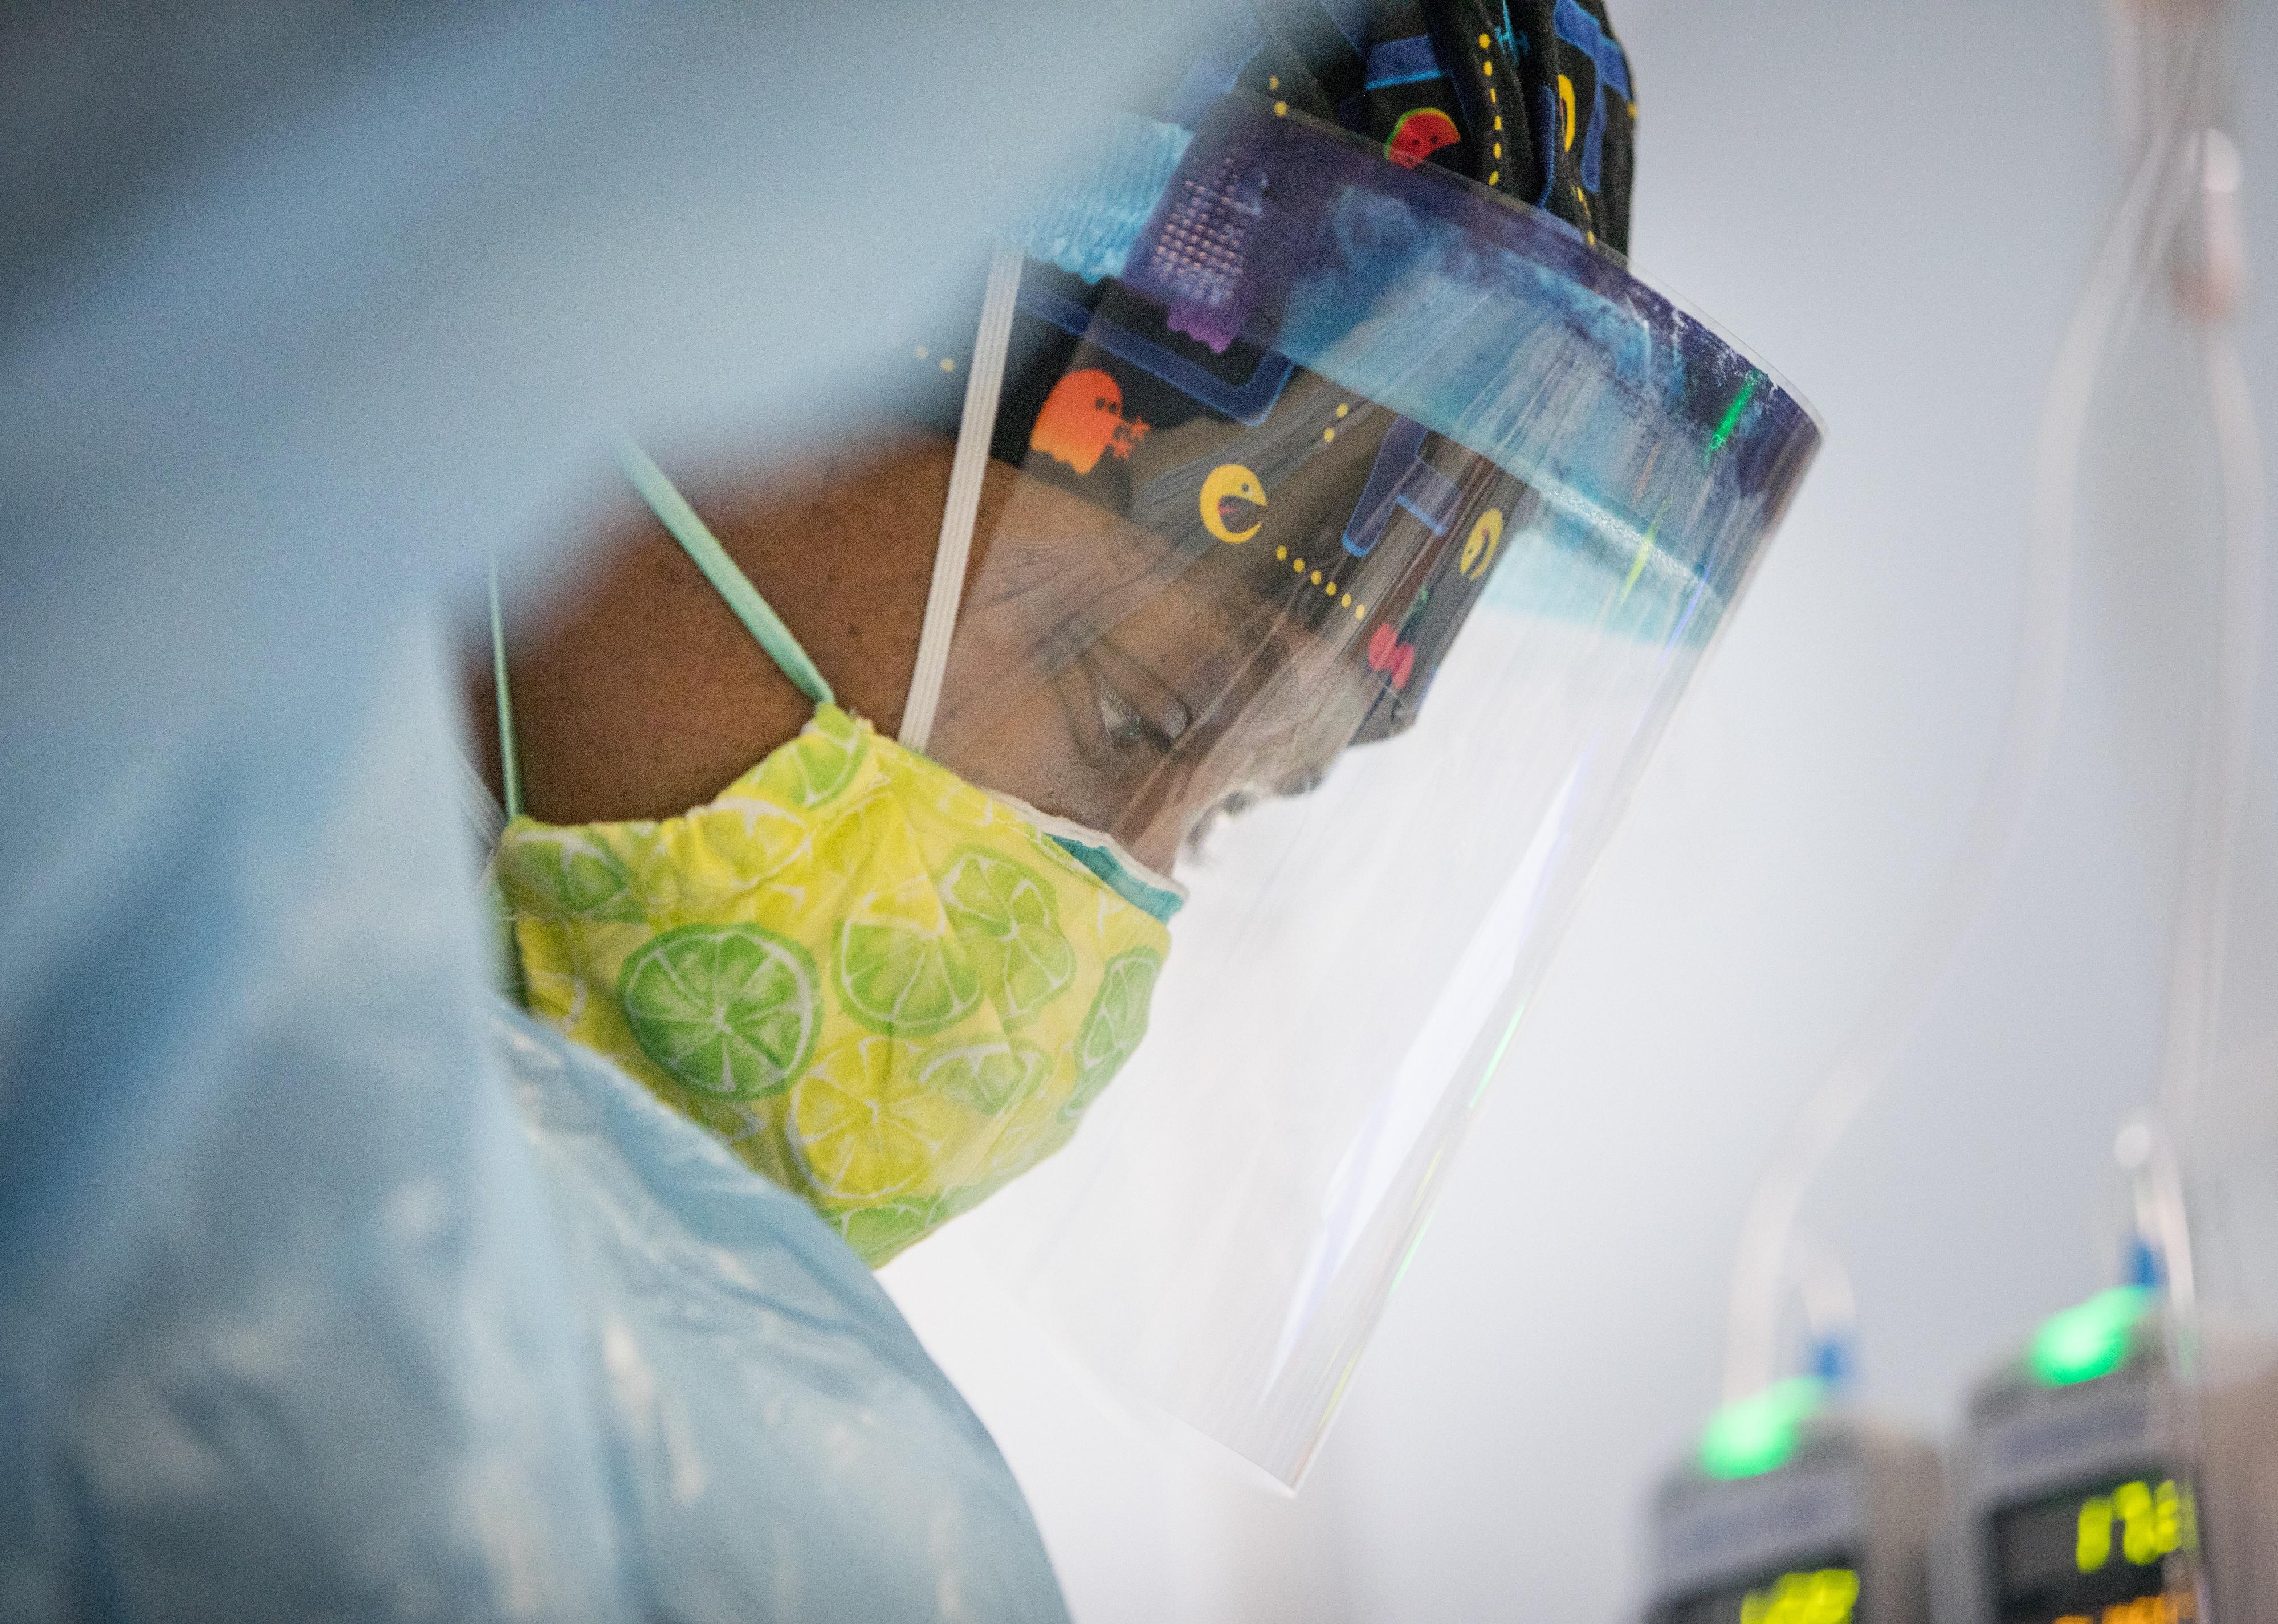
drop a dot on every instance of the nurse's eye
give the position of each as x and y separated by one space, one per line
1135 705
1123 724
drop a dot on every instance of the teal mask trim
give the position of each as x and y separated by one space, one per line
1151 900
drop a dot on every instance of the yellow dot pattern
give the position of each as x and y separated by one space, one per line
947 365
1328 435
1487 70
1281 109
1343 407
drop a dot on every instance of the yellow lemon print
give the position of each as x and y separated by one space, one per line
866 1131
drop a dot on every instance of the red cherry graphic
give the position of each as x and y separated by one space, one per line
1383 648
1407 664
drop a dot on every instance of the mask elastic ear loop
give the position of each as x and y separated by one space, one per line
696 539
509 768
968 465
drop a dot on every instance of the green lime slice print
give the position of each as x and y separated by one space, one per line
818 764
1006 913
729 1010
567 874
1028 1139
877 1233
897 979
1114 1025
987 1077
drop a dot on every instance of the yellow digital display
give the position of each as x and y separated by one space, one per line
2116 1553
1824 1597
1822 1592
2134 1522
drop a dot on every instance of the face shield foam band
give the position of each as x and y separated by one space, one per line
1292 438
1272 226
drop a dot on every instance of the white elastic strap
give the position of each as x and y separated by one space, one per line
483 812
982 382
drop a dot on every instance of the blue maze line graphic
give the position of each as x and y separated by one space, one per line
1399 477
1581 30
1503 36
1402 62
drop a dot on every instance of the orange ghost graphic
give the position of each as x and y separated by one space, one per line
1082 417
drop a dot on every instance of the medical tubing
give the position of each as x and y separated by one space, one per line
2203 912
2029 731
968 466
2218 792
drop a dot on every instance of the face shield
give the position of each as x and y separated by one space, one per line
1366 528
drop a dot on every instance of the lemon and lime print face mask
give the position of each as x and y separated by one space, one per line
888 990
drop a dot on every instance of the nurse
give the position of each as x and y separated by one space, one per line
846 798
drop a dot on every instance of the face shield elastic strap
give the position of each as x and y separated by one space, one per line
1156 895
967 466
1086 226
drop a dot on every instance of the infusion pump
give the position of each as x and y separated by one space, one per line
2088 1487
1807 1517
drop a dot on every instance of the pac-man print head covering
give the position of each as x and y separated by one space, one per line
1531 98
1319 396
1278 494
1533 101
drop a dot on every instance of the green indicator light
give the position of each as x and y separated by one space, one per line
2091 1340
1758 1435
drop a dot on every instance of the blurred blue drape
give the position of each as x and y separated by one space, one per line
327 1286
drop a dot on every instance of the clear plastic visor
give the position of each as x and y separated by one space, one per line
1119 663
1344 552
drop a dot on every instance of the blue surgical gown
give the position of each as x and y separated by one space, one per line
330 1287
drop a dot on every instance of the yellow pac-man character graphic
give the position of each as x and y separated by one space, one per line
1228 496
1479 546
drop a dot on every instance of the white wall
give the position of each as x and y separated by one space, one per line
1895 205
